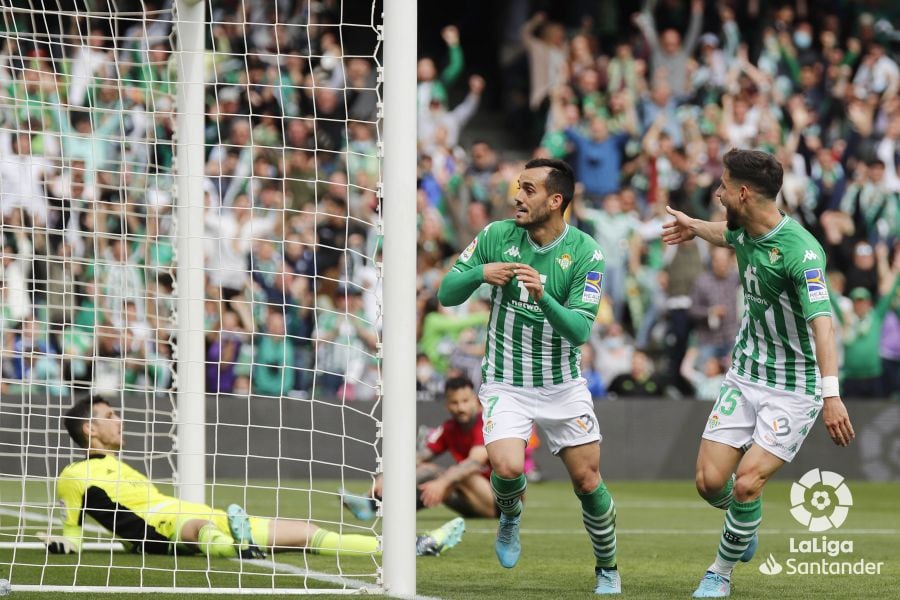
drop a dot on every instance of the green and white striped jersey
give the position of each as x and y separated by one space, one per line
522 348
783 276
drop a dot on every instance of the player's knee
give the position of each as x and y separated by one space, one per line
708 483
585 481
507 469
748 486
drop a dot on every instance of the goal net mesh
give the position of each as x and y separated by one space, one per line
88 301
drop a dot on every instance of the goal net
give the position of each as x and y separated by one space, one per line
96 165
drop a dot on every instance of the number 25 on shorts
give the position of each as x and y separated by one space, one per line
727 401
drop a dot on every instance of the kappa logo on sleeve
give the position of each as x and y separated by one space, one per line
593 282
815 285
469 251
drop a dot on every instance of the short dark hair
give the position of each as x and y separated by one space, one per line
457 383
560 179
759 170
78 414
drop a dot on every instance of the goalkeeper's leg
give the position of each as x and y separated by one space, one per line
209 539
287 535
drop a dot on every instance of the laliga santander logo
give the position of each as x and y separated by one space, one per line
820 500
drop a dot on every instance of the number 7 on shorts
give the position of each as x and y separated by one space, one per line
491 403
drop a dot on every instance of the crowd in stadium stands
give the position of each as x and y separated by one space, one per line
86 159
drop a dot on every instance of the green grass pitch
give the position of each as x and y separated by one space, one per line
667 537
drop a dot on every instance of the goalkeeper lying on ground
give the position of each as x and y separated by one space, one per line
128 504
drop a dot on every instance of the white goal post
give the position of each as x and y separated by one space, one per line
193 226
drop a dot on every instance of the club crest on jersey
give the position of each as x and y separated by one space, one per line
564 261
592 285
815 285
512 251
774 255
469 251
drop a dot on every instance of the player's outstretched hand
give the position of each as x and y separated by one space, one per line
531 279
837 421
499 273
679 230
57 544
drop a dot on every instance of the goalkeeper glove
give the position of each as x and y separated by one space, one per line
57 544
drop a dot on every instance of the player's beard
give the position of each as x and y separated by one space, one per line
535 217
732 220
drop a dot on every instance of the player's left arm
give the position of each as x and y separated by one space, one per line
834 413
572 322
435 491
805 264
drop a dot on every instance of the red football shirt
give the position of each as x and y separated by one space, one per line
452 438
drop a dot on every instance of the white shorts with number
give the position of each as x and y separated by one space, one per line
776 420
564 413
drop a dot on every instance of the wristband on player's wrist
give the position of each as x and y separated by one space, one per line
830 387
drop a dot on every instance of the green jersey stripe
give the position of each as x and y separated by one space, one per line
785 354
499 348
790 323
773 373
574 362
753 343
762 348
556 358
518 347
528 355
813 382
537 357
547 350
739 354
810 372
569 359
509 348
488 364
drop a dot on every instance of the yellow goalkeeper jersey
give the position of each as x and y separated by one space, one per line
124 501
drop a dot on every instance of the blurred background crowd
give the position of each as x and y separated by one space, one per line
642 98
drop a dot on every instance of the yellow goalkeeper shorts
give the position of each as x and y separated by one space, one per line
168 519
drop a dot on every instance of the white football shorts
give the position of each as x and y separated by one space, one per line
776 420
564 413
